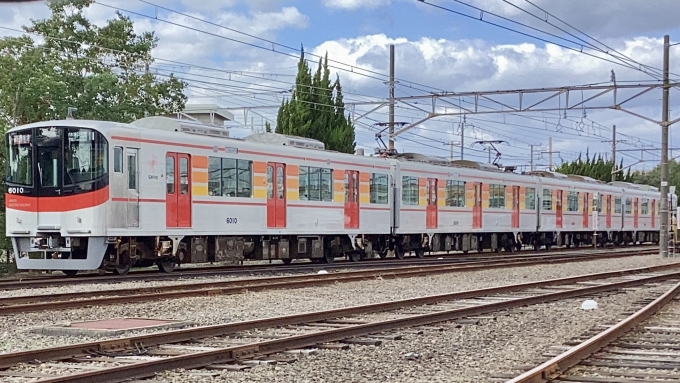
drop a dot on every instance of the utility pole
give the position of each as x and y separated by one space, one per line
531 159
390 146
614 153
550 153
663 209
614 142
462 139
451 144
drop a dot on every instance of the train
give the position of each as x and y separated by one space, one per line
99 195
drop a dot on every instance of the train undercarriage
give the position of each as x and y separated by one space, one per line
167 252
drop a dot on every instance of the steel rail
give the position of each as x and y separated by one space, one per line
148 275
229 354
24 304
552 368
183 335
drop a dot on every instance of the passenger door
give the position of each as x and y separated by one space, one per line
586 210
132 216
515 207
653 213
351 199
178 190
431 212
636 212
276 195
609 212
558 210
477 206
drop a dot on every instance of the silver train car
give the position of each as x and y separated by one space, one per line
86 195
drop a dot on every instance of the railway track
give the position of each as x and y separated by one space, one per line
643 347
52 301
50 281
231 346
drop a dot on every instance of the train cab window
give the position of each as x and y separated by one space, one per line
530 198
409 190
572 201
20 159
547 199
629 205
644 207
617 205
117 159
455 193
378 188
497 196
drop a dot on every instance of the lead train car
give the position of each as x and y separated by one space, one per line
84 195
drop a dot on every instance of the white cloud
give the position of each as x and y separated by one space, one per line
355 4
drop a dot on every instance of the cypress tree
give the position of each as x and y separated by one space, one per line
316 109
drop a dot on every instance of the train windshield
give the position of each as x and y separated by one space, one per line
57 160
20 159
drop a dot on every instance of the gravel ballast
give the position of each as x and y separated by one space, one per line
470 353
16 335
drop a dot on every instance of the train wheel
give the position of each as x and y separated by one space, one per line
70 273
383 254
420 253
398 252
124 267
167 265
328 257
354 256
287 261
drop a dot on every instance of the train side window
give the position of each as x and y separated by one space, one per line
378 188
314 184
572 201
629 206
547 199
530 198
327 185
170 175
644 208
497 196
245 178
455 193
303 178
229 177
118 159
409 190
617 205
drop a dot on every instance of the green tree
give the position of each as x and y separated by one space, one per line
101 71
267 127
316 109
595 167
653 177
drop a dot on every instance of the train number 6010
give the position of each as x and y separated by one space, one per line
232 221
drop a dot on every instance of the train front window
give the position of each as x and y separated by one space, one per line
85 157
58 160
20 159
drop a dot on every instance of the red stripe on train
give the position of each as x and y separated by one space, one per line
57 204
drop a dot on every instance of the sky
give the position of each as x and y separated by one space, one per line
243 54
